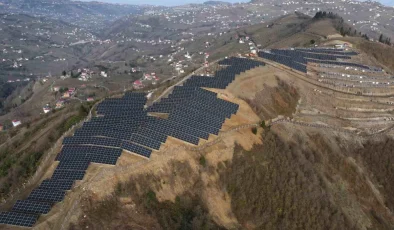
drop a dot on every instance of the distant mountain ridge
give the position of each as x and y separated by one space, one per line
213 3
85 14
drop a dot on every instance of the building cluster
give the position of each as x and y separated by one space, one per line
147 78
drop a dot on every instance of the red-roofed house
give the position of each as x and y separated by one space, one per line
138 84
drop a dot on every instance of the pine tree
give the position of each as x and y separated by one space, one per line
381 38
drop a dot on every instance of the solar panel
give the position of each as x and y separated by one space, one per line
45 195
152 134
56 184
18 219
91 149
103 159
88 140
68 175
73 165
145 141
136 149
30 206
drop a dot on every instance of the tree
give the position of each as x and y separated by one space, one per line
313 41
342 31
381 38
64 73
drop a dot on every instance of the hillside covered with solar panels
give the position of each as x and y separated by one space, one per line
258 141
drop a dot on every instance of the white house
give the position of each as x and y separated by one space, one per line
16 123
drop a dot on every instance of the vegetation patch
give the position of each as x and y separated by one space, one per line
271 102
20 158
134 205
281 189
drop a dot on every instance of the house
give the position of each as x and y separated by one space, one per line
89 99
66 94
103 74
56 88
147 77
16 123
138 84
46 109
71 91
59 104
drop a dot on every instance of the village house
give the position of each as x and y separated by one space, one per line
46 108
59 104
16 122
66 95
56 88
138 84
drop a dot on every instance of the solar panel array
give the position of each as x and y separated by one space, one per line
123 124
99 141
298 58
195 113
224 76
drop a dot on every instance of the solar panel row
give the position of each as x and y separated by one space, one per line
136 149
31 206
19 219
298 58
56 184
46 195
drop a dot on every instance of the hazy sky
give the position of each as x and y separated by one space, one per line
181 2
388 2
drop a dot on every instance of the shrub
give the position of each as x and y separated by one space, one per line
203 161
262 124
254 130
